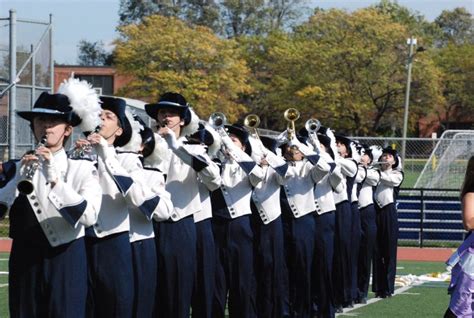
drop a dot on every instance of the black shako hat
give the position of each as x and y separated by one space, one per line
148 137
346 141
269 143
53 105
170 100
201 136
118 106
394 153
241 132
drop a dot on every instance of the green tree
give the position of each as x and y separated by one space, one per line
457 26
457 65
93 54
345 69
164 54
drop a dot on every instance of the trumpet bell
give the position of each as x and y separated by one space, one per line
291 114
217 120
312 125
252 121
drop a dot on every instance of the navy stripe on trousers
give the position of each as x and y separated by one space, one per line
203 291
385 260
47 281
235 267
144 274
110 292
299 236
176 267
323 264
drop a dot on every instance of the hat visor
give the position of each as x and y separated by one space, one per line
152 109
35 112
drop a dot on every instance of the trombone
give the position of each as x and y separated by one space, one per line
251 122
291 115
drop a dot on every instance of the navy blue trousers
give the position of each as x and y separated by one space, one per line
235 268
355 246
366 250
342 254
323 264
110 276
271 271
299 236
47 281
385 260
204 283
144 274
176 268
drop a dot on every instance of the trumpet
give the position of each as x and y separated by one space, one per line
291 115
312 125
217 120
25 186
251 122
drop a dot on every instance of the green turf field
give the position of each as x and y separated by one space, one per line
427 300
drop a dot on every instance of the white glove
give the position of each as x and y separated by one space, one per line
282 138
171 140
103 149
50 171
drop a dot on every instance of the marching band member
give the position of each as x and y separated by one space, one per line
271 271
368 225
306 168
111 284
325 220
385 259
184 165
56 201
235 277
141 233
342 272
206 261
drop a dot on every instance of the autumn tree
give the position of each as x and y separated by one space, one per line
93 54
457 27
165 54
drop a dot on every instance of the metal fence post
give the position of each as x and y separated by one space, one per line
12 94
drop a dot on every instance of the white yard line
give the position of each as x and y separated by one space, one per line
420 280
3 273
3 285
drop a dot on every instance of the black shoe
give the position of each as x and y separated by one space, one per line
361 300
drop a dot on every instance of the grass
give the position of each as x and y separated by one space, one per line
427 300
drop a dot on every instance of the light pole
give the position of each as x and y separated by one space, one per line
411 42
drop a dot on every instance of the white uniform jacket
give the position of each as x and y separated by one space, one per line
366 194
389 179
349 169
323 191
121 192
300 181
72 204
359 178
239 174
160 205
188 163
205 187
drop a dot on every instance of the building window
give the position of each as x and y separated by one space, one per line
103 82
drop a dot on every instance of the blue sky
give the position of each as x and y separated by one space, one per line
96 20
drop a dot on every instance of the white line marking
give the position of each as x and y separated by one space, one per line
3 285
3 273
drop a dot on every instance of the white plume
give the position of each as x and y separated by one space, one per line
193 125
161 155
135 140
84 102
